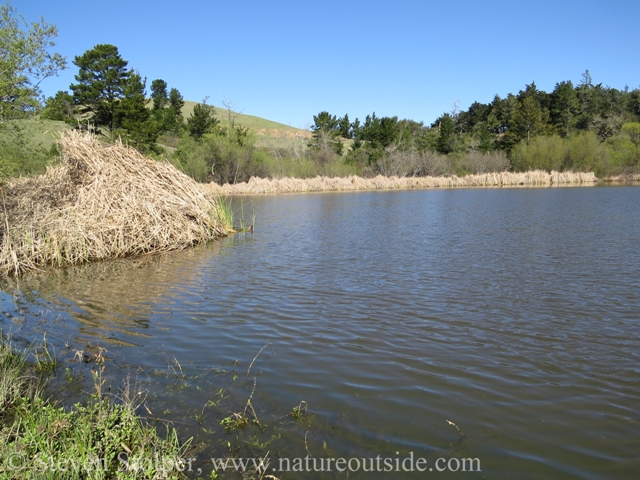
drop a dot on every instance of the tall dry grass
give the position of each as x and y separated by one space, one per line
102 201
321 184
628 177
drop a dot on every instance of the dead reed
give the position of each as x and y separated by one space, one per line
321 184
102 201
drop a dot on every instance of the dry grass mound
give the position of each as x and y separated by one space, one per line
102 201
326 184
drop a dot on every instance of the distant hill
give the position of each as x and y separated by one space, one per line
260 126
45 132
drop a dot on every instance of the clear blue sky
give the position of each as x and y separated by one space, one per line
288 60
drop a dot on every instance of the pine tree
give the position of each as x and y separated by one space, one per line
159 94
326 133
101 81
446 138
564 107
135 117
201 120
173 119
528 121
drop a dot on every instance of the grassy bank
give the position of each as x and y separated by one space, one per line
28 146
351 183
100 439
102 201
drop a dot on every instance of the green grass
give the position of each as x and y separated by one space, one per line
43 133
100 439
254 123
28 146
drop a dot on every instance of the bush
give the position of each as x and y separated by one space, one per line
225 155
582 152
623 153
477 162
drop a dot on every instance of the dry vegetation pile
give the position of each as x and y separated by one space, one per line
102 201
320 184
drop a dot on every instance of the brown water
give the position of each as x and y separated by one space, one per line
513 313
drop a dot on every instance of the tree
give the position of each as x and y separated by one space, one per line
232 114
101 82
503 110
173 116
135 117
528 121
326 133
446 138
167 108
486 139
201 120
632 129
159 94
564 107
531 90
344 126
59 107
25 61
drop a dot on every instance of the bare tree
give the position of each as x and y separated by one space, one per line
231 112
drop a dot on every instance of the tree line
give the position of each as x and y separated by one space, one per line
604 117
107 94
586 126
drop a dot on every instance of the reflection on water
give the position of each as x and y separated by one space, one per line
512 313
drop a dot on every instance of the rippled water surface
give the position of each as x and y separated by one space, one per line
513 313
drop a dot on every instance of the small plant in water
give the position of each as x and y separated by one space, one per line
45 361
234 421
299 412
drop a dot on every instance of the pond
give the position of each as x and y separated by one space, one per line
492 324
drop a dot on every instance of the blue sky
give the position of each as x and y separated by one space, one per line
288 60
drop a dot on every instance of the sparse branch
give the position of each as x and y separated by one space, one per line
232 114
254 359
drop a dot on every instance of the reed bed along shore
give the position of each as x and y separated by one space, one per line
325 184
624 178
102 201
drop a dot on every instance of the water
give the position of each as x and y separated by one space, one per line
512 313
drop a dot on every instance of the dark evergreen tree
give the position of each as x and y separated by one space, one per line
135 117
446 137
564 107
326 133
101 82
486 139
542 98
345 127
201 120
528 121
159 94
389 131
504 109
173 119
633 102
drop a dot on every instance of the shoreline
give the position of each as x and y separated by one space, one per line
534 178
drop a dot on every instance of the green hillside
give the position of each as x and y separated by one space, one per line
41 133
26 145
260 126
